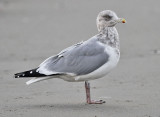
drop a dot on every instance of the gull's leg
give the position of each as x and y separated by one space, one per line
88 96
87 87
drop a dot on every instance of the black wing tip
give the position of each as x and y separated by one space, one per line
29 73
18 75
15 76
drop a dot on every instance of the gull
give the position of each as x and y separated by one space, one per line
84 61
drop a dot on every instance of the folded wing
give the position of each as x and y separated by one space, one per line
79 59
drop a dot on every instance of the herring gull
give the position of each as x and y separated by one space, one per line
88 60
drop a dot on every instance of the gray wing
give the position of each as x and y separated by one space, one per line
81 59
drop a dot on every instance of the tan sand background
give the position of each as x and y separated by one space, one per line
32 30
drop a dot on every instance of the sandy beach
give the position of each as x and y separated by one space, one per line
33 30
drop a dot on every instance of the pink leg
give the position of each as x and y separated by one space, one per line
88 97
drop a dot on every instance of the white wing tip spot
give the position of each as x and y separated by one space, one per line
23 75
31 72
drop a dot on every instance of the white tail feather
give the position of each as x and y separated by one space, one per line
34 80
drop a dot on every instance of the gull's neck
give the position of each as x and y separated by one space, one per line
106 29
109 36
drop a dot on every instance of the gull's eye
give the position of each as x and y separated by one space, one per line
107 17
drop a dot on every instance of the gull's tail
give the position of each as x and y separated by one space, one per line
34 73
29 73
34 80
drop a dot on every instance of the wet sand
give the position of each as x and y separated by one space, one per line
32 30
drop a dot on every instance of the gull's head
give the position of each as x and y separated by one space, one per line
108 18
